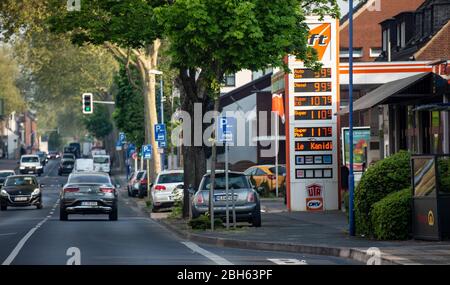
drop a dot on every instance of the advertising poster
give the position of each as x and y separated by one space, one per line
361 141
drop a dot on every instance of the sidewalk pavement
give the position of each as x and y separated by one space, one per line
8 164
319 233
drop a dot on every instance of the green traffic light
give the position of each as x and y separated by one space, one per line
88 109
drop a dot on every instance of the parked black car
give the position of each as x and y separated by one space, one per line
66 166
21 191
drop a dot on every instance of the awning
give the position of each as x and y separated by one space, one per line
382 93
433 107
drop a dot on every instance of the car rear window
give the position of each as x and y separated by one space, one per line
171 178
30 159
281 170
6 174
235 181
140 175
96 179
101 160
21 181
68 162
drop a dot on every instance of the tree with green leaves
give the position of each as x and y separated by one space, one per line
210 38
9 75
99 123
129 109
130 31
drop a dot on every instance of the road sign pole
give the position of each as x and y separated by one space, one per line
351 182
148 179
226 186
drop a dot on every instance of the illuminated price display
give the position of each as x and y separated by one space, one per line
314 146
307 101
313 114
312 87
309 73
318 132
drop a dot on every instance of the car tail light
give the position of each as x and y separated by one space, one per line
160 188
271 177
251 197
71 190
106 190
144 181
200 199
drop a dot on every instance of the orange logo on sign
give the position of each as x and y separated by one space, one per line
319 39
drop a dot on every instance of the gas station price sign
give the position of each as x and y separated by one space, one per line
312 101
305 73
313 132
300 87
322 114
314 146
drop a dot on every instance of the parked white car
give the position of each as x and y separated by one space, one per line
102 163
83 165
165 191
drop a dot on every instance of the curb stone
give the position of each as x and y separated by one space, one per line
356 254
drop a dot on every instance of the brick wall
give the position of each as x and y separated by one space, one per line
367 31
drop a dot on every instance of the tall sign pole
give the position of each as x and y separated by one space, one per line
351 178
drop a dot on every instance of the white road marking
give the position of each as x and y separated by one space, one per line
22 242
287 261
8 234
213 257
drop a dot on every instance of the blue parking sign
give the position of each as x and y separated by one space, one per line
147 151
122 137
160 132
226 129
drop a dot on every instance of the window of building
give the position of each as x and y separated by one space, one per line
357 52
375 52
261 73
386 33
230 80
403 34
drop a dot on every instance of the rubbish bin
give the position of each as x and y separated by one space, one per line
431 196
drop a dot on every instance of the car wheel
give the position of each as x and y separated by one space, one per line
3 207
113 215
39 206
63 216
256 217
141 195
155 209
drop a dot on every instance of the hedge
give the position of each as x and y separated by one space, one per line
391 216
384 177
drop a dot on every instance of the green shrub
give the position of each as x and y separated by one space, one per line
384 177
203 222
391 216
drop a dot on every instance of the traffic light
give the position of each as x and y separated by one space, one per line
88 103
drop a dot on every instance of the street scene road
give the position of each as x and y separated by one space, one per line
206 132
37 237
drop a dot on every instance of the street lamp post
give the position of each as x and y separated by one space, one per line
351 178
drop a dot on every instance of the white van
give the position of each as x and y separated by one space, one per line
83 164
102 163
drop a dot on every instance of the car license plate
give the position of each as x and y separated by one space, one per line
30 172
20 199
224 198
88 203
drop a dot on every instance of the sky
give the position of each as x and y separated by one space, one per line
344 6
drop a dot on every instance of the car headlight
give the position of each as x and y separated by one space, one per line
36 192
22 167
4 193
40 166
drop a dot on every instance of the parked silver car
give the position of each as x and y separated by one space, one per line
247 202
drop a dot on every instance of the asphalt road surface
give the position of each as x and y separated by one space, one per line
37 237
